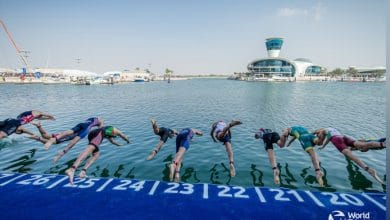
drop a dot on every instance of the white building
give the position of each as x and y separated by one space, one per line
274 65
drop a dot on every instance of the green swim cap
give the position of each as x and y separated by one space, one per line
109 131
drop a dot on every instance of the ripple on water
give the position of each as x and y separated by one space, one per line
196 103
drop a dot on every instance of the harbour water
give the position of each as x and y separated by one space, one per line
356 109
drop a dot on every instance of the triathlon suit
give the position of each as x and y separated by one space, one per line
341 142
183 138
297 131
269 137
165 133
95 137
81 130
26 117
10 125
307 141
219 128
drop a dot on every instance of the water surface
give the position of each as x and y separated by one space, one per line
356 109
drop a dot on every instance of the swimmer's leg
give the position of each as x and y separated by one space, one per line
229 152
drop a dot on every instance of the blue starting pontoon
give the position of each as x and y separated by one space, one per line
46 196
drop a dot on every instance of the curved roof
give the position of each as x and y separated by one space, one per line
272 58
303 60
272 38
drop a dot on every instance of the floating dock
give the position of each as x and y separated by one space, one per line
47 196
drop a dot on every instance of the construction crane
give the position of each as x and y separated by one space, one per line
18 51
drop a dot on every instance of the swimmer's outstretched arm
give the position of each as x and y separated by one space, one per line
114 142
291 140
120 134
43 115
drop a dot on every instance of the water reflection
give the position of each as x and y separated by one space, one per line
357 179
257 176
190 175
165 171
118 173
21 164
311 181
130 173
220 174
5 143
286 177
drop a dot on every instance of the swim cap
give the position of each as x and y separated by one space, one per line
109 131
259 134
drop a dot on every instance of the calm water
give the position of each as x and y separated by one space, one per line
356 109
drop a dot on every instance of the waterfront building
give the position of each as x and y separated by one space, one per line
274 66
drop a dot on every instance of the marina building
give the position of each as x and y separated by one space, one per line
276 67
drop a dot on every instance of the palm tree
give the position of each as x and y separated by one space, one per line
168 73
351 71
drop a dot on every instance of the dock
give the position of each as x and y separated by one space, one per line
50 196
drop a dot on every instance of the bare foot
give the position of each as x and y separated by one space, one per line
172 168
49 143
232 170
83 174
70 173
319 176
276 176
372 172
234 123
152 154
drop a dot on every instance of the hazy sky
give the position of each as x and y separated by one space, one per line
191 37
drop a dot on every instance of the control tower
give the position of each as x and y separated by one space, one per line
273 45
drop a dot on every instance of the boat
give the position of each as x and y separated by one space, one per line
139 79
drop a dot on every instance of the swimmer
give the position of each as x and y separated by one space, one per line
308 142
95 138
345 144
269 138
81 129
221 131
164 134
295 132
29 116
182 144
12 125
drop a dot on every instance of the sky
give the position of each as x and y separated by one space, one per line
191 36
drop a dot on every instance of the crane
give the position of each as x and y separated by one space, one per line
18 51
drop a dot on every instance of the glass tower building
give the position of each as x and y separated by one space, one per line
274 65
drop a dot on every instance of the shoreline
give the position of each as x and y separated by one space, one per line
54 81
